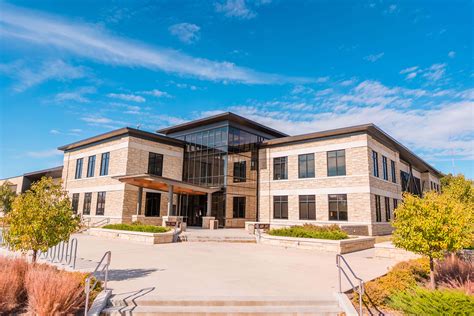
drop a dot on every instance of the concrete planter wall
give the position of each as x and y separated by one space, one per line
336 246
388 250
141 237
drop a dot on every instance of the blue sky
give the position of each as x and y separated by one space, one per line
73 69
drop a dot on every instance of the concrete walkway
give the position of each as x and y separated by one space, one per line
222 269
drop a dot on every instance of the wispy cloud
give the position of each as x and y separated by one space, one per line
235 9
27 76
99 45
157 93
71 132
44 153
186 32
433 73
373 58
127 97
78 95
452 54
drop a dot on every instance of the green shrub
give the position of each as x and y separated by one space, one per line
333 232
404 275
421 301
138 228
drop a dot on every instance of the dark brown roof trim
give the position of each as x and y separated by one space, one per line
371 129
126 131
50 170
232 117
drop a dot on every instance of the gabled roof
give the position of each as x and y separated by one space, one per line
371 129
227 116
125 131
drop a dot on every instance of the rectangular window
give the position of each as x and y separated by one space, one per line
240 171
152 204
306 166
337 207
378 209
239 207
395 205
280 207
394 174
387 209
307 207
375 162
90 166
280 168
336 161
78 174
100 203
75 202
104 164
87 203
384 168
155 164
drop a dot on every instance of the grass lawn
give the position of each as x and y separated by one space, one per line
138 228
332 232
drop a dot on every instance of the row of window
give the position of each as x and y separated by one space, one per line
337 204
336 165
375 162
104 166
86 208
434 186
378 208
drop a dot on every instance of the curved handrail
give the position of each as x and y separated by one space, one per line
105 269
341 270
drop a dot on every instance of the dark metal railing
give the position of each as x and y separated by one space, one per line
101 269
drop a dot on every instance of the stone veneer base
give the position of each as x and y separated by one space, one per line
336 246
141 237
388 250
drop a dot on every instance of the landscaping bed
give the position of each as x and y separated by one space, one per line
405 289
332 232
40 289
137 227
146 234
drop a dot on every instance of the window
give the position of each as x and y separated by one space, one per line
75 202
337 207
387 209
395 205
87 203
155 164
336 163
307 207
240 171
239 207
152 204
100 203
378 209
384 168
306 166
280 168
280 207
375 162
104 164
394 174
78 174
90 166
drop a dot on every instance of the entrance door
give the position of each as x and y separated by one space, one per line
193 208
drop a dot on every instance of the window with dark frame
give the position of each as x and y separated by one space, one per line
86 210
90 166
336 161
395 205
378 209
104 164
155 164
152 204
280 207
78 173
239 206
394 174
240 171
375 162
307 207
387 209
100 203
306 166
384 168
280 168
337 207
75 202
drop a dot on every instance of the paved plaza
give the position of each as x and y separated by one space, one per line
215 269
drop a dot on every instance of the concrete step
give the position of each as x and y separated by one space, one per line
193 238
223 310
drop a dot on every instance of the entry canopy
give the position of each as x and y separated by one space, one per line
163 184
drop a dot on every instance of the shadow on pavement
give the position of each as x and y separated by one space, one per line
126 274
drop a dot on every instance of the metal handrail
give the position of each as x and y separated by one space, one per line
341 270
105 269
101 222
